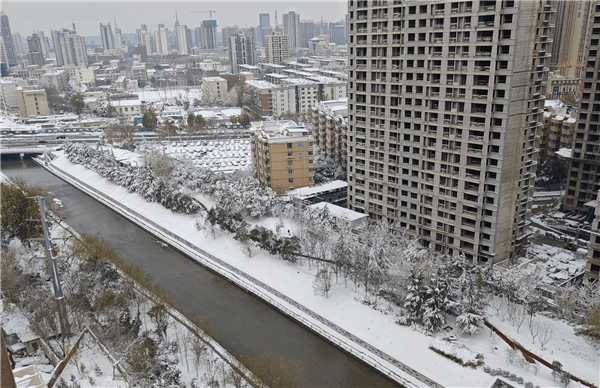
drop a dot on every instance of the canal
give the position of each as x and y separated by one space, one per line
243 323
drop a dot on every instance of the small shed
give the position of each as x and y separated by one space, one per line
350 217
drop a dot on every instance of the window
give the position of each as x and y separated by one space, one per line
290 172
291 180
290 163
290 154
289 145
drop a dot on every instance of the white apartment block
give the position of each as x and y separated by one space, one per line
277 48
139 72
184 39
162 44
58 80
8 96
69 48
445 108
214 88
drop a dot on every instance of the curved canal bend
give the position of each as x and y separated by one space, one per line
243 323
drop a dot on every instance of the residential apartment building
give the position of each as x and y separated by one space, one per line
213 89
568 46
227 33
184 39
162 43
35 56
6 34
57 80
330 129
277 48
445 103
241 52
69 48
8 95
282 153
557 131
584 166
32 101
139 73
592 268
291 28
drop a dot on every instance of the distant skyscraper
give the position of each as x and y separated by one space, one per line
228 32
35 55
241 51
264 21
209 34
291 28
277 48
568 46
118 36
184 39
108 40
7 37
18 42
44 42
162 44
338 33
307 32
198 36
3 58
69 47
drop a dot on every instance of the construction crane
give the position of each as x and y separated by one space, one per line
210 12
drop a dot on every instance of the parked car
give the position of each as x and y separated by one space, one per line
42 141
61 137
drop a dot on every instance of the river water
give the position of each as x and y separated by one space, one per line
243 323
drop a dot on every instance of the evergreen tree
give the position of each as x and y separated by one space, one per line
414 302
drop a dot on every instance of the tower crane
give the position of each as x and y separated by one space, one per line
210 12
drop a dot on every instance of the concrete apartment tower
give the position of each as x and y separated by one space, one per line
584 165
277 48
35 55
7 38
446 99
291 28
241 52
70 48
108 39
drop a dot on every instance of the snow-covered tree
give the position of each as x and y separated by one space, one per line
414 304
323 282
473 301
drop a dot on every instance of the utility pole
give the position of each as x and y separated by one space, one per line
58 295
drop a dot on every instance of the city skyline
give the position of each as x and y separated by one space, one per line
131 15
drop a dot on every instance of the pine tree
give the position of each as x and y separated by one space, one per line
414 301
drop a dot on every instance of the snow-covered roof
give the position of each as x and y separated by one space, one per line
564 152
306 192
553 103
340 212
592 203
259 84
214 79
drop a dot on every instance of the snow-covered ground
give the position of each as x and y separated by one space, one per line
345 309
169 95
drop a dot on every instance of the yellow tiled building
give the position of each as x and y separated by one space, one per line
282 153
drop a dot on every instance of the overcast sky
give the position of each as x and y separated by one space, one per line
26 16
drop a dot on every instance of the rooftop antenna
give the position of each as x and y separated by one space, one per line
116 23
74 30
275 18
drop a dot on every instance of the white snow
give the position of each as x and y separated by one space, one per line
341 307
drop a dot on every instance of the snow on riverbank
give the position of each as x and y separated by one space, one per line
341 308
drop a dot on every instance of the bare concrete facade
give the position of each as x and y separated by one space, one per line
446 101
584 167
